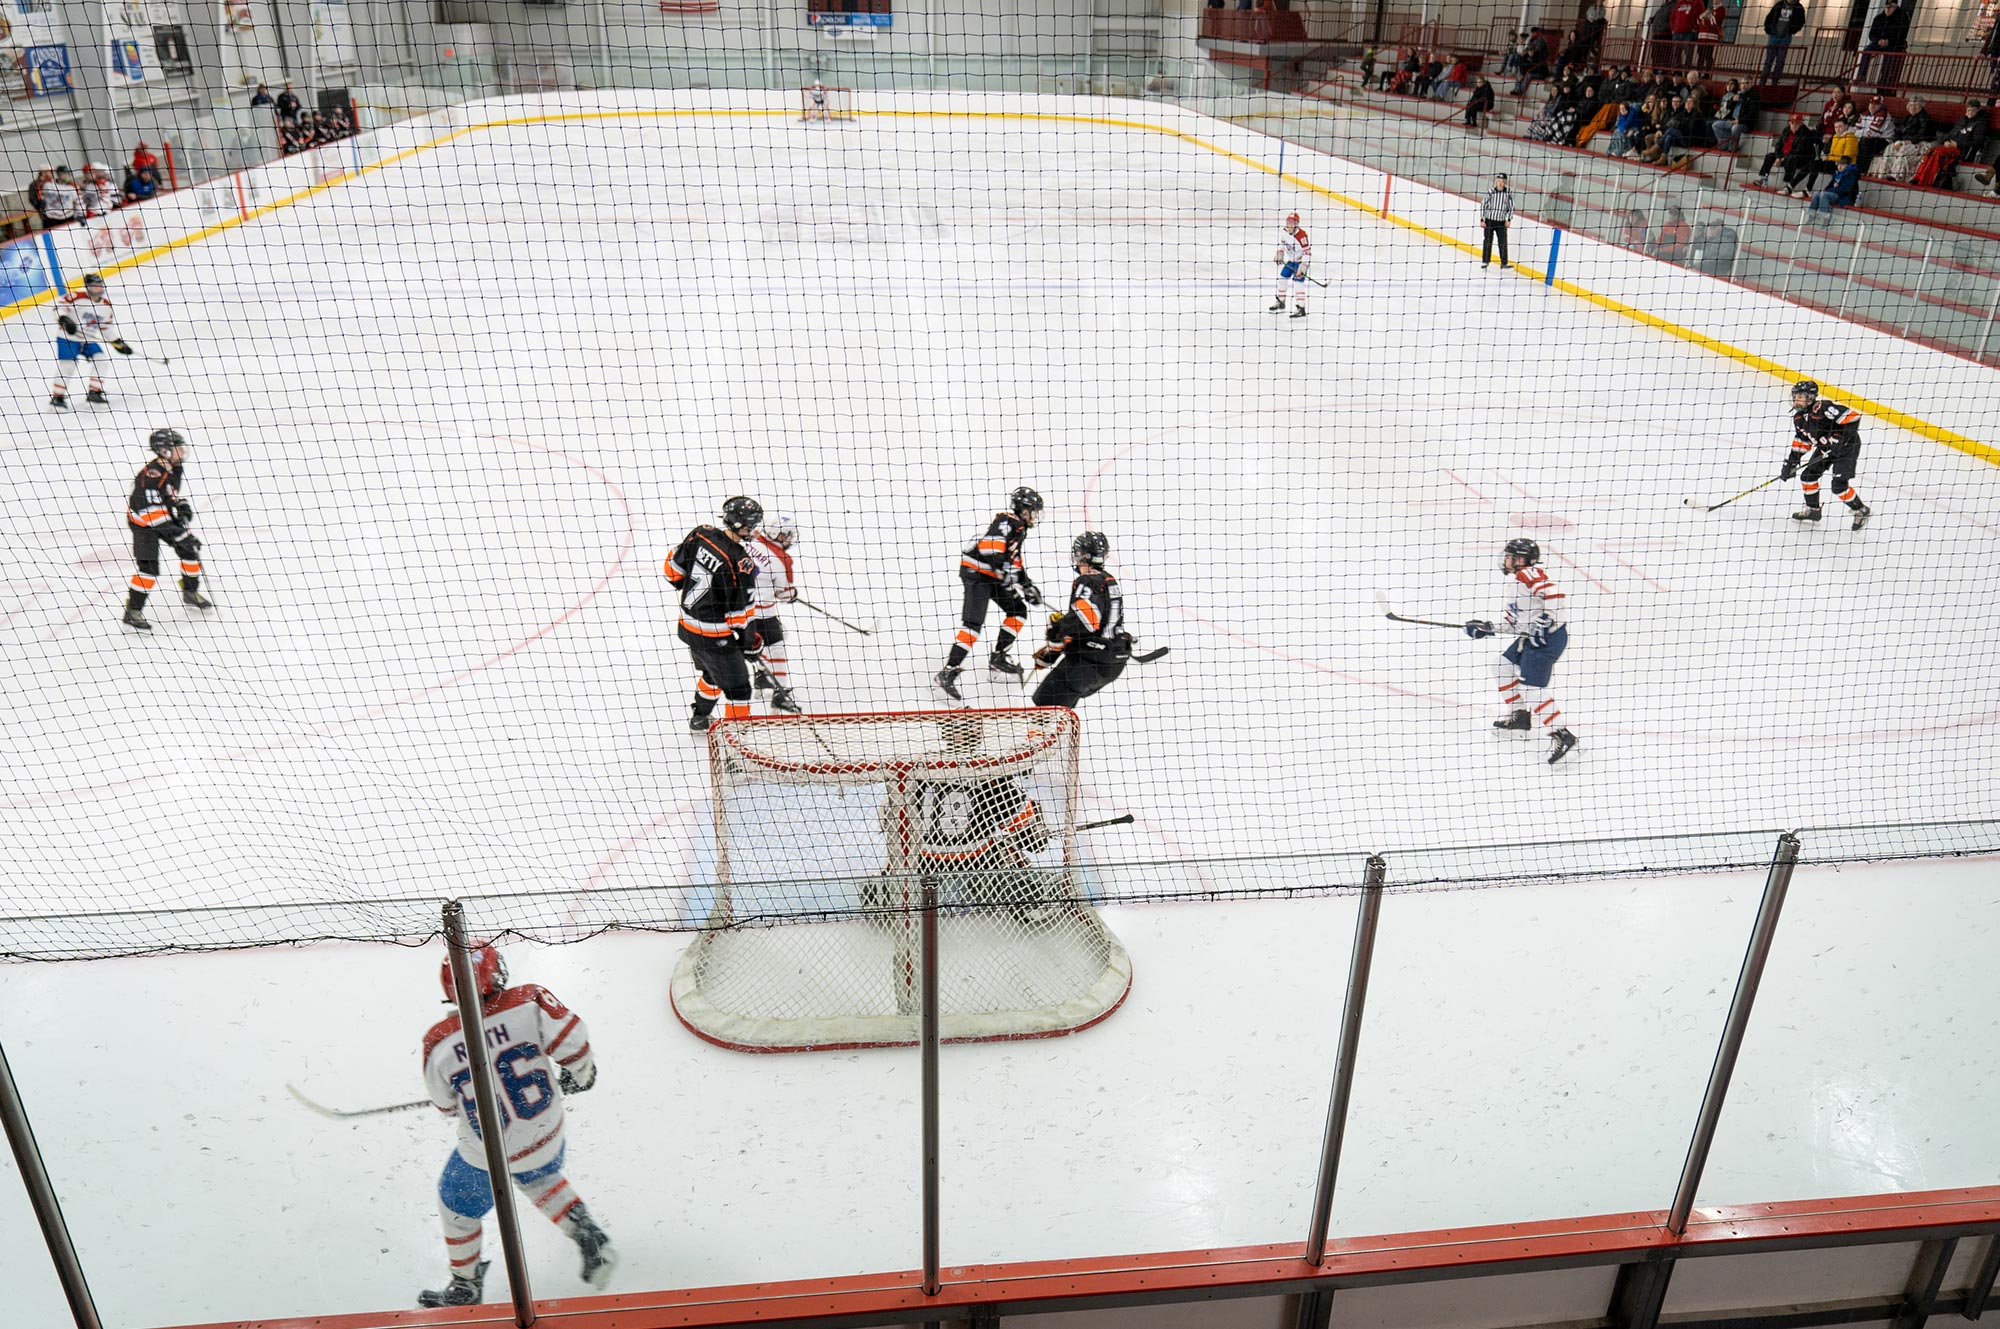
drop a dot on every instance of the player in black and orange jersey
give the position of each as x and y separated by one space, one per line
991 570
159 515
717 579
1088 643
1826 436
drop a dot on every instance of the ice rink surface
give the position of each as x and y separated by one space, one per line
448 418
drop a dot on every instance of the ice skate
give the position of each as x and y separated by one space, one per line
1298 311
96 397
461 1291
783 700
947 683
1278 306
134 618
598 1257
1002 663
1861 516
1519 721
191 594
1806 514
59 401
699 722
1564 741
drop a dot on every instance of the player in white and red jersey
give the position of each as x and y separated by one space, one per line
1294 259
1536 617
771 548
84 327
540 1052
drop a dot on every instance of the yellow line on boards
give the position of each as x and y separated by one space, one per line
1887 414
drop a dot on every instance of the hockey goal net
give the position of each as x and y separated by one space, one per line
829 830
817 102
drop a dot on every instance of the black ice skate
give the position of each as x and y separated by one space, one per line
96 397
1299 311
947 683
461 1291
699 722
762 680
59 401
1279 306
783 700
1806 514
1861 516
1002 663
1520 721
1564 741
598 1257
134 617
191 594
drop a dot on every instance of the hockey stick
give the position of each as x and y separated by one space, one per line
1382 603
337 1114
1108 821
1710 507
1147 657
866 632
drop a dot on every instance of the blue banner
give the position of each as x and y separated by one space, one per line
816 19
22 272
47 68
125 58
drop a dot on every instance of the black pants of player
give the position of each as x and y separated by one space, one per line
724 674
146 542
981 591
1843 466
1494 229
1080 673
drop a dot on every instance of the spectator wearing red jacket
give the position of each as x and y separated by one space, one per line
1682 21
142 157
1708 35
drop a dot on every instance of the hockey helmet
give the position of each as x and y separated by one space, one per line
93 282
488 969
780 530
1091 547
741 514
1522 547
1806 388
1291 221
164 441
1024 501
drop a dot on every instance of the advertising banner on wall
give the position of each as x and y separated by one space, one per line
849 14
125 60
46 69
170 51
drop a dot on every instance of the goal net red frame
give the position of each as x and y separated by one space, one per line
830 833
836 104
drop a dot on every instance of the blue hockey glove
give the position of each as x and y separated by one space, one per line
1478 628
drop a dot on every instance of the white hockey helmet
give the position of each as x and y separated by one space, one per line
780 530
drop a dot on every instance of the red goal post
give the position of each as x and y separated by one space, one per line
819 102
828 831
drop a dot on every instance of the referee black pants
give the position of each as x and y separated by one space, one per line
1493 229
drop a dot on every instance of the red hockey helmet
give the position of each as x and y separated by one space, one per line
487 967
1291 220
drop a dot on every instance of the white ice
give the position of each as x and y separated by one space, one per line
448 418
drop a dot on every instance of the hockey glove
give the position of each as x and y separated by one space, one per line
751 643
1537 635
1479 627
184 512
1791 466
67 324
1048 655
120 345
571 1085
785 594
1030 592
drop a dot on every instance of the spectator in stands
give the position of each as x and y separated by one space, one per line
1786 20
1990 48
1534 63
1589 37
1632 230
43 175
1726 127
1915 125
1708 35
1480 104
1514 61
1844 147
1888 37
262 97
1842 192
1939 168
1589 107
141 184
1684 131
1368 66
1629 130
1787 142
1972 131
100 193
1801 156
62 201
1671 244
1427 77
1407 72
1449 86
1600 123
1838 107
1875 129
1713 249
142 157
1682 20
288 104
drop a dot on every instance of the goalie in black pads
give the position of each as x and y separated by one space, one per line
1826 436
717 579
991 570
1088 644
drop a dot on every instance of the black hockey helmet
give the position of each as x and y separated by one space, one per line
1524 547
1806 388
741 514
1024 501
164 441
1091 547
92 281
